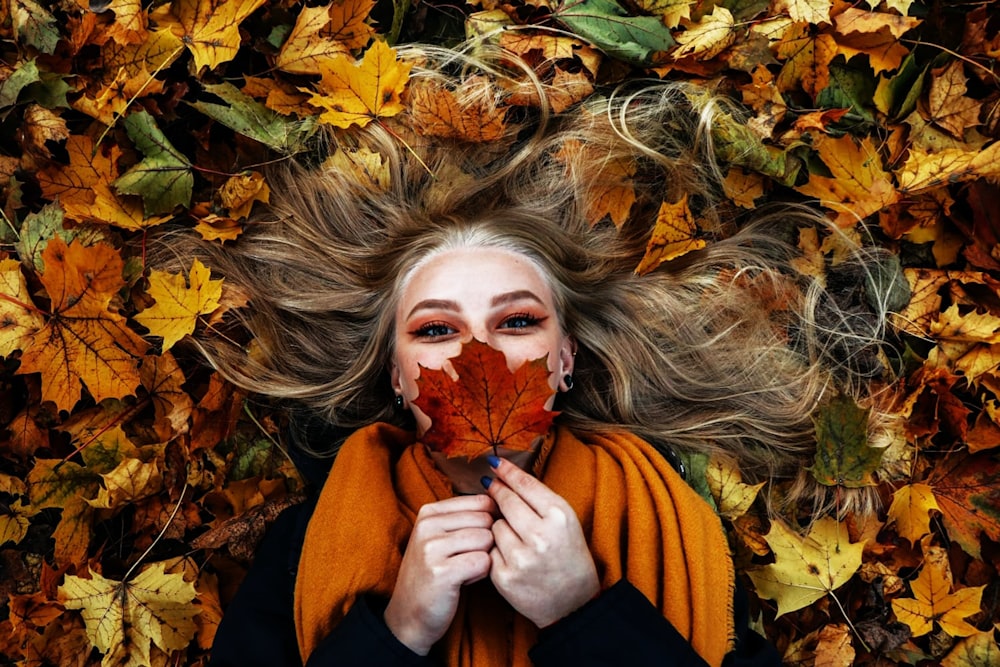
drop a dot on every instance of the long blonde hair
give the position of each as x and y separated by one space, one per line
695 355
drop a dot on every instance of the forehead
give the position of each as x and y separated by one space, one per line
474 271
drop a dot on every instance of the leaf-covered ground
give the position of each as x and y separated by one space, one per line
133 484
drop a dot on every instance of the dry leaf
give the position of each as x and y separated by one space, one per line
178 304
357 93
933 602
673 236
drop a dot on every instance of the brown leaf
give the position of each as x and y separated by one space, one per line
439 112
967 490
674 235
947 105
241 534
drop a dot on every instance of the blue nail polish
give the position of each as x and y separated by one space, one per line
485 481
493 461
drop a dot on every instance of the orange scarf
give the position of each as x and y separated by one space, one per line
641 520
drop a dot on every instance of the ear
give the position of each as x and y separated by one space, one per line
394 377
567 360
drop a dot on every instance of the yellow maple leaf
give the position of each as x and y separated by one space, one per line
933 602
14 521
178 305
672 11
673 236
19 319
810 11
369 165
356 93
910 509
712 35
209 28
131 480
924 170
743 188
84 341
732 496
858 186
130 21
123 618
323 33
806 567
807 59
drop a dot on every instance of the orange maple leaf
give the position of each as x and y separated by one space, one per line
84 341
357 93
612 192
438 112
489 406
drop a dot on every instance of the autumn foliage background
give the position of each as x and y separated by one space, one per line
134 483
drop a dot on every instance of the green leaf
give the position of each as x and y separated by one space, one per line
10 88
53 483
605 24
852 86
34 25
38 228
843 457
696 475
50 91
738 144
250 118
163 178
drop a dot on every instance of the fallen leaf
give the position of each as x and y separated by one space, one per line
808 567
933 602
53 483
357 93
84 341
178 304
843 456
172 405
131 480
239 193
743 188
74 531
19 319
947 105
41 125
15 518
712 35
910 510
124 618
967 490
806 60
209 28
976 650
672 237
859 186
672 11
324 32
809 11
611 193
874 34
163 178
488 406
437 112
732 496
834 647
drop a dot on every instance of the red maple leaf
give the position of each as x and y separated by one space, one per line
488 406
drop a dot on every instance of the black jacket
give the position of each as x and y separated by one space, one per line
619 627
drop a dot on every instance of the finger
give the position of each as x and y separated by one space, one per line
505 538
470 567
443 523
475 503
537 496
512 506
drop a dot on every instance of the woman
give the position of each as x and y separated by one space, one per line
589 547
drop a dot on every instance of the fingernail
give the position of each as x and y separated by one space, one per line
485 481
493 461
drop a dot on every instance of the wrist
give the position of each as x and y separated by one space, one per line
406 633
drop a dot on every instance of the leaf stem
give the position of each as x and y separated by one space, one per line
163 531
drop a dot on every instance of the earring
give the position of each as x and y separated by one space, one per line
568 381
399 401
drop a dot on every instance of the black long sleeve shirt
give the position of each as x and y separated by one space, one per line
619 627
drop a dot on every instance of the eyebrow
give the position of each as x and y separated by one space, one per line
498 300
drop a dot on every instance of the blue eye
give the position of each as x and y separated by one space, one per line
434 330
520 321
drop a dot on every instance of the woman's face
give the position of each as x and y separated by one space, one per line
497 296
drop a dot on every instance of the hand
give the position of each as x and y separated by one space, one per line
541 563
449 547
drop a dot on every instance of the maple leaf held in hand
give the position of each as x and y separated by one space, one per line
489 406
